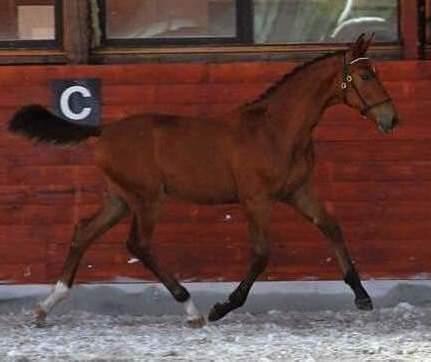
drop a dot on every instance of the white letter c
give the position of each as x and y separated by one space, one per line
65 103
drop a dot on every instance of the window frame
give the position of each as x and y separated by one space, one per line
425 27
36 44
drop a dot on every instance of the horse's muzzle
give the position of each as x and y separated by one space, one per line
387 124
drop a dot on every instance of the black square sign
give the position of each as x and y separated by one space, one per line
78 100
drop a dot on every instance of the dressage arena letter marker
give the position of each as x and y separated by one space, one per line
65 103
78 101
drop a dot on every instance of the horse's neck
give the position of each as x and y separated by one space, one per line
301 101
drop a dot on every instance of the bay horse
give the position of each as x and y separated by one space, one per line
257 154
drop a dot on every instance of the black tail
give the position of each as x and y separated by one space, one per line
37 123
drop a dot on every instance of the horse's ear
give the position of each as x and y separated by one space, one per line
356 47
368 42
360 47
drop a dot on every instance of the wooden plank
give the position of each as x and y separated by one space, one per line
36 215
409 24
11 252
129 94
19 96
42 175
404 71
384 149
119 74
77 38
381 171
359 130
21 196
368 191
387 211
23 273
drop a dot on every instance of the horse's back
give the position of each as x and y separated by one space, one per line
189 157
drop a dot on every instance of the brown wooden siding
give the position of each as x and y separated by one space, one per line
378 186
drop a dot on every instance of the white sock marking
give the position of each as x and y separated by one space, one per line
191 310
59 293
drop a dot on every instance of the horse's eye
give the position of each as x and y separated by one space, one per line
367 76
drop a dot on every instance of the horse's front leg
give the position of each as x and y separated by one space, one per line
258 213
307 204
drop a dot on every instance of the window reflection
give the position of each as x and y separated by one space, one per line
170 19
324 21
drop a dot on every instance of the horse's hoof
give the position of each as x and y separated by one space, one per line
364 304
39 317
217 312
198 322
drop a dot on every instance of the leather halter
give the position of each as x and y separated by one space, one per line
348 79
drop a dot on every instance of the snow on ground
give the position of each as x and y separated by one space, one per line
110 331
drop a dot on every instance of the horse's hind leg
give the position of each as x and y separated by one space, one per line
258 213
309 206
85 232
139 245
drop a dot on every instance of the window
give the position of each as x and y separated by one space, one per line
324 21
149 19
248 21
28 22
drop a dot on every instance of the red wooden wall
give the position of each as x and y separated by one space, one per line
378 186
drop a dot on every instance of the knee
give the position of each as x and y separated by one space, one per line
331 229
261 256
80 231
78 239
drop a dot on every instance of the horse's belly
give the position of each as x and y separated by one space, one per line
204 198
204 186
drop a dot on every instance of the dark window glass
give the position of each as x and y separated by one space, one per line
146 19
274 21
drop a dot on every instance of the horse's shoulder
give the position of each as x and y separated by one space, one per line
254 110
254 117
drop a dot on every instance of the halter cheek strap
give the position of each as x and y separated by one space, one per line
358 60
348 79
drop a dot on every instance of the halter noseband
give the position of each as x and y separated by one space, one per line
348 79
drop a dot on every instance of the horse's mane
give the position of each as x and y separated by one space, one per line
269 91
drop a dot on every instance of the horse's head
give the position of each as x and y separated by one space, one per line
362 88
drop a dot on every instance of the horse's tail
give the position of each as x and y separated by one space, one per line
37 123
